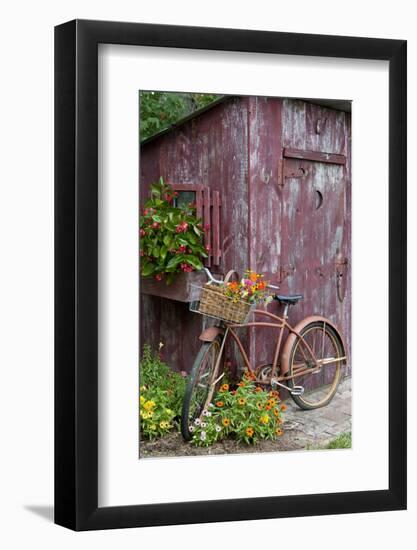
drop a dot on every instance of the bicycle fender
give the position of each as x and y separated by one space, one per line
210 334
292 337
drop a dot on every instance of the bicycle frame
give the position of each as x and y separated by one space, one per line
281 324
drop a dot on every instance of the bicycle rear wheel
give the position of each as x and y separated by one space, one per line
319 382
201 385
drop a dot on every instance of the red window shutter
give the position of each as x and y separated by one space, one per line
208 210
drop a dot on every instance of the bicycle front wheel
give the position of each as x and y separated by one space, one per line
201 385
322 377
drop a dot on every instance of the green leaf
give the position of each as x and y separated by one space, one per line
168 240
194 261
155 190
147 269
163 252
173 262
155 252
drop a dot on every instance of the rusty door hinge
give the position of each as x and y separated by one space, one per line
286 170
341 264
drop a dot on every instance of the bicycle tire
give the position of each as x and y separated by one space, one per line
188 415
324 393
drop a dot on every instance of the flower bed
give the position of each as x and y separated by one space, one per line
247 414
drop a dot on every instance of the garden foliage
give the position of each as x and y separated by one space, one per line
161 395
171 238
247 414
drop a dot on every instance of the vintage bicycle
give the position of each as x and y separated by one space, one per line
308 363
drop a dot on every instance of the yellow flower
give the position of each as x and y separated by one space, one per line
278 431
264 419
249 431
168 411
153 426
241 401
149 405
143 388
142 400
146 415
225 421
164 425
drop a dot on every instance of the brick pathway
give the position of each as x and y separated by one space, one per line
317 427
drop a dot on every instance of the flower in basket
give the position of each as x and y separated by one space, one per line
252 288
171 237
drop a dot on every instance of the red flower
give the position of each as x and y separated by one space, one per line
156 225
158 276
182 227
142 232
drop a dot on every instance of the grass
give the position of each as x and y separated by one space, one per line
342 441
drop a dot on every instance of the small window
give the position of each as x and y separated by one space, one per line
185 198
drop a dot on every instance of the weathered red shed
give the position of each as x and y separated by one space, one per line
274 177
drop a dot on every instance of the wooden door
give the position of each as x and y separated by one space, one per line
315 243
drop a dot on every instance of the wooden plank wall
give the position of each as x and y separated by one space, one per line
211 150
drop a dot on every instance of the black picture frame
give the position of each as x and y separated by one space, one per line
76 271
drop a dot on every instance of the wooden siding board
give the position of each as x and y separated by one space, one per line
265 207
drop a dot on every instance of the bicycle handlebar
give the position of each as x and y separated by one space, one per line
213 280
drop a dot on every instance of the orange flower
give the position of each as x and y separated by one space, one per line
241 401
259 405
261 285
274 393
219 404
225 422
242 384
249 431
276 412
224 388
278 431
258 390
253 276
272 402
283 407
267 407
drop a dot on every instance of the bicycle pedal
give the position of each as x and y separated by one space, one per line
297 390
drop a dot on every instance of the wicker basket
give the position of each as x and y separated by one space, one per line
215 303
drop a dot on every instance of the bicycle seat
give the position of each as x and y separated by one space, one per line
288 300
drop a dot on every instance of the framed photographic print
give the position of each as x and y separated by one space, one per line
230 275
